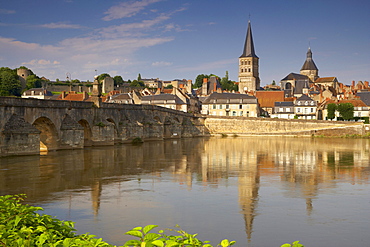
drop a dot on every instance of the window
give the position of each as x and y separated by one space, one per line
220 106
241 113
311 109
234 113
240 106
281 109
288 109
227 107
298 109
213 106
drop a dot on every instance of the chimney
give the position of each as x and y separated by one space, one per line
366 84
353 83
85 95
64 94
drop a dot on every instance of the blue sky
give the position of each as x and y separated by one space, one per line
179 39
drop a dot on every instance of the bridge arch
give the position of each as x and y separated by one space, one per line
116 132
49 139
87 132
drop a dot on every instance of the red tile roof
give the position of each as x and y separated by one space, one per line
268 98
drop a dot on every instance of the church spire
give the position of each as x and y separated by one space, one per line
249 80
309 67
248 45
309 64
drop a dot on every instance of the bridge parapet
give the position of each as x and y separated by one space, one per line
71 124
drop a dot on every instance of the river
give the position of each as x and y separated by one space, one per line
259 191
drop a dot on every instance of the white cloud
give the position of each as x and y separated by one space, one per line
131 29
36 62
161 64
126 9
61 25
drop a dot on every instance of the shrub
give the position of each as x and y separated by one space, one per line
20 225
146 238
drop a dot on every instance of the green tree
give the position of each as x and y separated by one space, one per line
75 81
199 80
227 84
102 76
139 77
225 79
331 110
136 83
118 80
33 81
346 110
9 82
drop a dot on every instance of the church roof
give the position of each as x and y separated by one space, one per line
309 64
248 45
326 79
294 76
230 98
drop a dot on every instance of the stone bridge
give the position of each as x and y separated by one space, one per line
31 126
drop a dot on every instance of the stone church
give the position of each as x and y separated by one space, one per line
249 80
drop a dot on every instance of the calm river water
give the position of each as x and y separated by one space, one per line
259 191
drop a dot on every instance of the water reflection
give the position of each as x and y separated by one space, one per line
305 167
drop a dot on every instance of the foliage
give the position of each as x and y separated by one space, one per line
139 77
100 124
199 80
169 86
345 110
20 225
9 82
331 110
136 83
33 81
102 76
228 85
118 80
294 244
147 238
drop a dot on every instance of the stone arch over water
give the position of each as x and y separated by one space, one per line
87 132
49 139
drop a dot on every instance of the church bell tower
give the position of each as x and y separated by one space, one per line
248 66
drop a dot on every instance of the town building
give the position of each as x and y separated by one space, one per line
249 80
165 100
267 99
360 109
283 109
305 108
210 86
152 83
231 104
37 93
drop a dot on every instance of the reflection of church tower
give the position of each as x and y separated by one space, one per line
309 67
248 193
248 65
96 189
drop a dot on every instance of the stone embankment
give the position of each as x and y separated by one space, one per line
270 126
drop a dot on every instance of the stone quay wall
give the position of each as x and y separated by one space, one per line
270 126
